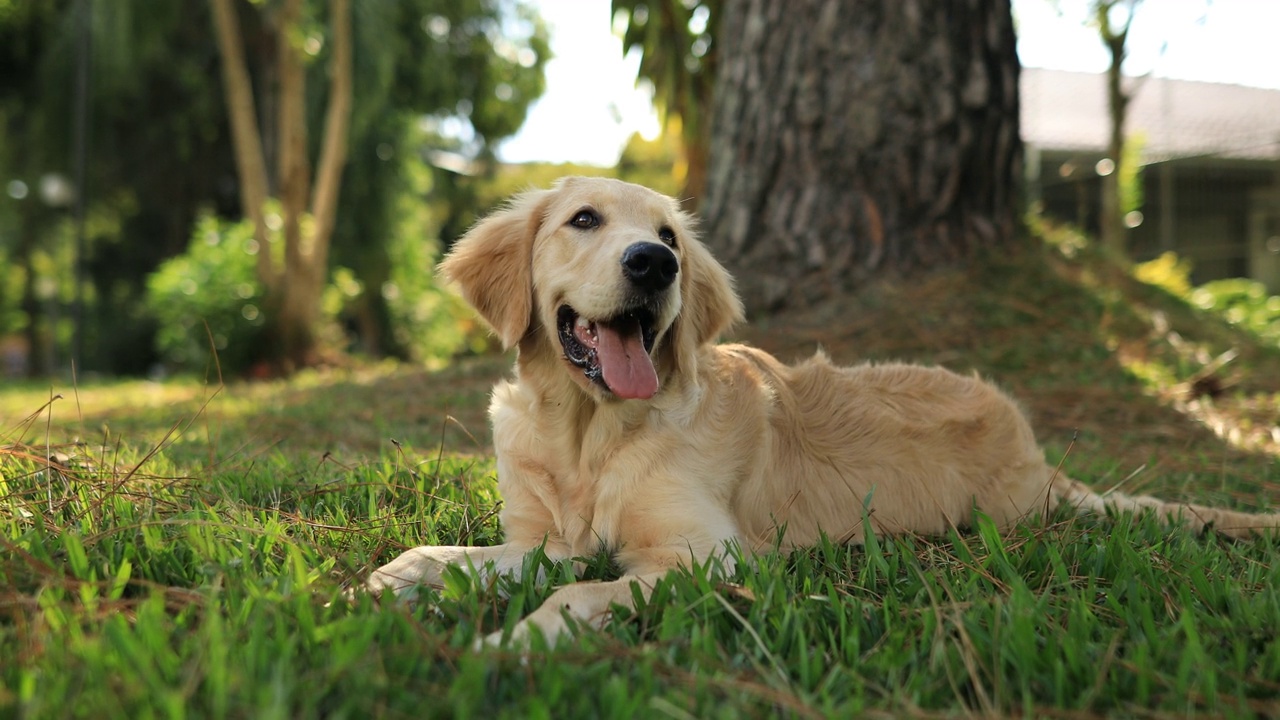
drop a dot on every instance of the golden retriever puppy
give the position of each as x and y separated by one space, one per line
626 427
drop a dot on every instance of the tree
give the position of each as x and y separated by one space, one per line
432 75
293 286
1113 19
477 63
678 57
856 137
146 101
156 94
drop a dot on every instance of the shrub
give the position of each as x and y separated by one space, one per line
1167 271
431 321
1244 303
212 285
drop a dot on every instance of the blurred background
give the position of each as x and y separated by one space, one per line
270 182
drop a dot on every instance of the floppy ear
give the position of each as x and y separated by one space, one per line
493 265
709 304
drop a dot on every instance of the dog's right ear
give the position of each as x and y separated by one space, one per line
493 265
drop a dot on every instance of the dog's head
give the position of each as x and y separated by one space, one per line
610 276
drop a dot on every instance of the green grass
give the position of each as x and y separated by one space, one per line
185 551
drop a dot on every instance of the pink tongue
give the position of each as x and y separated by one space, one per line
627 369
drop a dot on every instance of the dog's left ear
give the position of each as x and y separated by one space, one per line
709 304
493 265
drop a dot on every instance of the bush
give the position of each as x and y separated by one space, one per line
1244 303
212 285
428 321
433 323
1167 271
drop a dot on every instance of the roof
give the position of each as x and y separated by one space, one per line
1179 118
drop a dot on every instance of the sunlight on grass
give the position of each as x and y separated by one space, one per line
180 548
343 414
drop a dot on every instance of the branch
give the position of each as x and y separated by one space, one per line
245 135
337 125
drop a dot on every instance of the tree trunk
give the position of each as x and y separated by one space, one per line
293 293
336 140
245 135
1113 231
295 312
851 137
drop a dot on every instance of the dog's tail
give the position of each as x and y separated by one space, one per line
1242 525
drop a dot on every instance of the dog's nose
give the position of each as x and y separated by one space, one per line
650 266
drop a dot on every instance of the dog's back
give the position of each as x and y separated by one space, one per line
922 445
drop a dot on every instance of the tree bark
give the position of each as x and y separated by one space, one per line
294 310
337 133
853 137
293 293
246 138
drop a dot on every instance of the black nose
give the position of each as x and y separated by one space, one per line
650 266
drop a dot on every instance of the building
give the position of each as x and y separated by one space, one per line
1210 157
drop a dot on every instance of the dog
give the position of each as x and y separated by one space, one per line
627 427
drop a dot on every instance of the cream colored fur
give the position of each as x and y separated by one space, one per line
735 448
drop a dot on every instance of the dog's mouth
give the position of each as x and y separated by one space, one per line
613 352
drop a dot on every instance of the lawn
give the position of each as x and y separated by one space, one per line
181 548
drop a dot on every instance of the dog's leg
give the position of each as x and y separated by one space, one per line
586 603
589 603
425 565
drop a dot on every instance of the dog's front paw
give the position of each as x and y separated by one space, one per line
551 627
413 568
553 621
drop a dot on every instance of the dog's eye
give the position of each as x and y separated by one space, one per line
585 220
667 235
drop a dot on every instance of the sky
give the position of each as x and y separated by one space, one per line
592 105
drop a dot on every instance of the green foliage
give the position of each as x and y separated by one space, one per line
12 278
387 236
431 75
1167 271
677 56
199 571
430 321
1242 302
156 153
209 299
477 63
1130 180
473 66
1245 303
653 163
